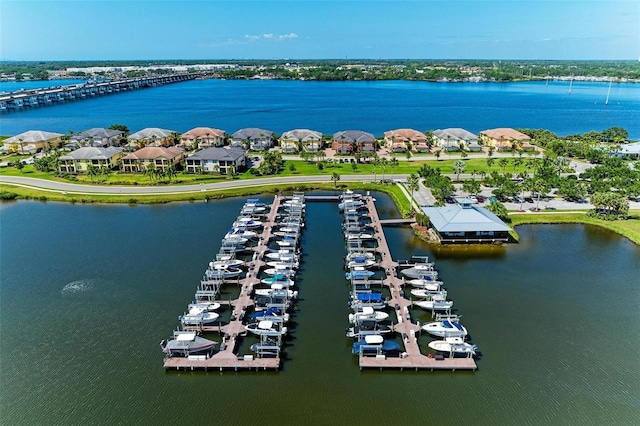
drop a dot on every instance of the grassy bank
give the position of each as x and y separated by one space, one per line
629 228
11 192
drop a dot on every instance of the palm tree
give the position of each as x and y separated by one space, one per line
383 163
459 167
150 171
375 162
170 172
490 162
335 177
503 163
437 154
393 163
413 184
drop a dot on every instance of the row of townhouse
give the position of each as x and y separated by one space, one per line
223 160
293 141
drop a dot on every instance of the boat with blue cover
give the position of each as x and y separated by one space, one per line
374 343
446 327
359 273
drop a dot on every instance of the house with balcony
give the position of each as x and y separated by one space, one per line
227 160
456 139
402 140
201 137
33 141
350 141
78 161
161 157
505 139
309 140
96 137
153 137
256 139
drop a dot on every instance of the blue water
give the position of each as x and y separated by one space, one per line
333 106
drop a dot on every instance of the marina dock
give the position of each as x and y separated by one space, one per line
226 357
412 358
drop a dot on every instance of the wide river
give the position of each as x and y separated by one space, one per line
330 107
88 292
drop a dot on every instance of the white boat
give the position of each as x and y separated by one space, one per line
227 261
282 255
453 345
445 328
360 261
282 270
289 264
359 236
204 306
241 232
266 327
278 279
185 343
358 332
420 271
198 316
426 294
235 240
287 242
435 305
269 292
367 314
248 222
350 204
222 271
426 284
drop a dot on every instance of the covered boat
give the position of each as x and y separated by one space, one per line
185 343
373 343
358 273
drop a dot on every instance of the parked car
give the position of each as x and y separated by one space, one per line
480 198
518 199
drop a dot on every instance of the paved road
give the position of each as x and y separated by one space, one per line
74 188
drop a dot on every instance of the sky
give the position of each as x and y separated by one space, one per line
307 29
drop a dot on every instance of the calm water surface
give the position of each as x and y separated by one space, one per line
88 292
333 106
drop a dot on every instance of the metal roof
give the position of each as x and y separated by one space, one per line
252 133
92 153
33 136
219 154
470 218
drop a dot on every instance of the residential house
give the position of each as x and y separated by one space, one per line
161 157
226 160
33 141
202 137
505 139
96 137
466 223
350 141
152 136
401 140
456 139
78 161
257 139
629 150
310 140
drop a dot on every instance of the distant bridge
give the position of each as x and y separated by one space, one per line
22 99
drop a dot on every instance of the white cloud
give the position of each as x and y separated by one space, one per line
270 37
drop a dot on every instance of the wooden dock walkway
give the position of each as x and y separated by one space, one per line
413 357
226 358
399 221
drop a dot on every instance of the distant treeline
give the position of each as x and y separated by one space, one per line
430 70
